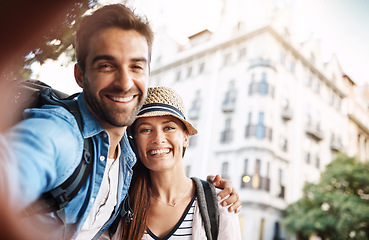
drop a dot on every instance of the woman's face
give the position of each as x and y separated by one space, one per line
160 141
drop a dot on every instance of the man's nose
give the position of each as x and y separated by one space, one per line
125 80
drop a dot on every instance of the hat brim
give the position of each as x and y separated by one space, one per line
191 129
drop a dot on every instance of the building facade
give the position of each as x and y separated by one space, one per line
270 113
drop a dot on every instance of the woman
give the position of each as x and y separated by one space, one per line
164 200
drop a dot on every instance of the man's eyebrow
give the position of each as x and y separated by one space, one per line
139 60
102 57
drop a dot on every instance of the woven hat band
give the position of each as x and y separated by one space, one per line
152 107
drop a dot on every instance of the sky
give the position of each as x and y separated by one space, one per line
341 25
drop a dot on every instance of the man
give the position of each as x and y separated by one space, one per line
113 48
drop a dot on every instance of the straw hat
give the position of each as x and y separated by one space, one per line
163 101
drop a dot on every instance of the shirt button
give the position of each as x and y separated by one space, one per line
102 158
105 135
92 200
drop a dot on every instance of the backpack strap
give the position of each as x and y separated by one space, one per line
59 197
208 205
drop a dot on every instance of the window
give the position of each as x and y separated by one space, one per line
260 130
189 72
281 191
225 167
227 59
317 162
307 157
201 67
227 134
178 76
242 53
282 57
292 66
188 170
312 58
230 98
256 176
263 86
245 180
308 80
194 111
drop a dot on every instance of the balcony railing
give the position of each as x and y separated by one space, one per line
315 132
229 105
286 113
256 182
281 191
336 144
226 136
262 88
259 131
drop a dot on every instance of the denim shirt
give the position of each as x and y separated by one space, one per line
42 151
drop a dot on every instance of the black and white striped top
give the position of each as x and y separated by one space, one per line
183 229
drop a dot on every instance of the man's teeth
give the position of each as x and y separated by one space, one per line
158 152
122 99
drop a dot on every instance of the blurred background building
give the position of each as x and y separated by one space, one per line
270 112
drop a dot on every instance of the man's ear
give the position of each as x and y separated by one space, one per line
78 75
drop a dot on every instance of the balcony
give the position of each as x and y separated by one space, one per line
286 113
336 144
229 102
262 88
256 182
226 136
314 131
194 113
229 106
259 131
281 191
260 62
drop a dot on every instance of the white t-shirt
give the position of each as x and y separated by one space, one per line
105 201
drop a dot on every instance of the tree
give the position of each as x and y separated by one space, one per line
48 37
335 208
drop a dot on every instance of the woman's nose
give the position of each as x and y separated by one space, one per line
159 137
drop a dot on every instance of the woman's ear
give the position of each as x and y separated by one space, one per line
78 75
186 138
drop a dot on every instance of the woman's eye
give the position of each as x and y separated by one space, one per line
145 130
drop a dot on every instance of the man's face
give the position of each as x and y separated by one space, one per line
116 76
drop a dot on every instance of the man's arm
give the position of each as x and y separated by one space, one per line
233 201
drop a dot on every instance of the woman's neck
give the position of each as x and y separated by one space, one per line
170 187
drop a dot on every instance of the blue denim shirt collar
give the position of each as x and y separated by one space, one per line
91 126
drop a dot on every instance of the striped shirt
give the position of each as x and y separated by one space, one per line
183 229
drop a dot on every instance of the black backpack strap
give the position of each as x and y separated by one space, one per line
59 197
125 212
208 205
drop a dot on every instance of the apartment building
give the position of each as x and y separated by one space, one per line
270 112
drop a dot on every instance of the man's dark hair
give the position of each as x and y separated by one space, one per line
114 15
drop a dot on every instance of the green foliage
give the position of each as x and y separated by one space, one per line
56 40
335 208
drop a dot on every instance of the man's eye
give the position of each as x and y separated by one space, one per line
137 68
105 68
169 128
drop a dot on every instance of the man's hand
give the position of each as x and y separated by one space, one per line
233 201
